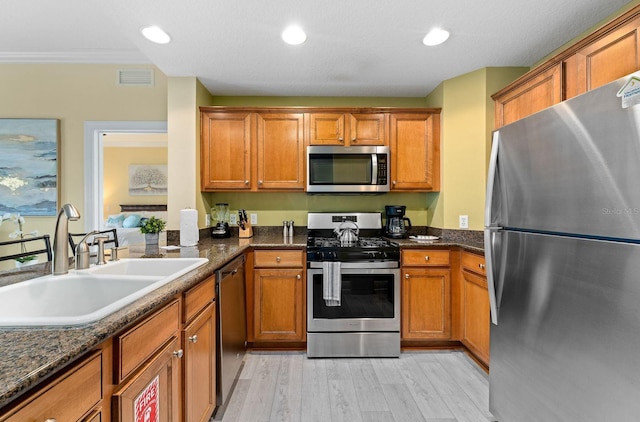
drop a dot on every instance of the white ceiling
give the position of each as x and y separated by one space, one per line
354 47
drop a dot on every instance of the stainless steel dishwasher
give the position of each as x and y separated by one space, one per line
231 329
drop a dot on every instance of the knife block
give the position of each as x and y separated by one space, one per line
245 233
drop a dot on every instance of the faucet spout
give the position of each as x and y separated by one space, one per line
61 239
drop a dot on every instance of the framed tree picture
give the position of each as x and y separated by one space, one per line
148 179
29 166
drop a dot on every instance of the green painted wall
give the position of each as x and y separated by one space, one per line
466 126
318 101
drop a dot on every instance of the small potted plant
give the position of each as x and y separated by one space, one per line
151 229
18 220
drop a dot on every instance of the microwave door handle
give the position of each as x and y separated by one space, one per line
374 169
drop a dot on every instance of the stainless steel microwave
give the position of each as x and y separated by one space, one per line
335 169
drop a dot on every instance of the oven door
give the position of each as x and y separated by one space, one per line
370 300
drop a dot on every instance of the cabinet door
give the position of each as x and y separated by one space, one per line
609 58
154 392
533 95
281 151
200 367
327 129
225 145
477 319
426 304
67 398
279 304
368 129
415 152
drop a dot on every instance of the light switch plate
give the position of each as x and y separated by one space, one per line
233 218
464 221
254 219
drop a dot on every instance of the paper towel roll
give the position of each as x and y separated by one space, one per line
189 234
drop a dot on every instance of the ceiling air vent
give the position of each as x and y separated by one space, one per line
135 77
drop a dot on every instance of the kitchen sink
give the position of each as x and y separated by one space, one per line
146 267
85 296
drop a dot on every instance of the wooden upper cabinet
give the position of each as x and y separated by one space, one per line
608 53
280 156
225 145
415 151
347 129
606 59
537 93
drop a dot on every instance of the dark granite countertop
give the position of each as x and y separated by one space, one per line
32 354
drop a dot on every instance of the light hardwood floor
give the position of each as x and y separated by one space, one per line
419 386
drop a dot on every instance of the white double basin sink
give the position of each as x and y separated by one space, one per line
85 296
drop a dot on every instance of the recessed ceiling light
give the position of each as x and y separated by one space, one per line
435 37
155 34
294 35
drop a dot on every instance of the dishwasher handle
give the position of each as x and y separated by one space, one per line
230 269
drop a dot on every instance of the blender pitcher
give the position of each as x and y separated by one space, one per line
220 213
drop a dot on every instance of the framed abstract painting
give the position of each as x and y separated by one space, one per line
29 166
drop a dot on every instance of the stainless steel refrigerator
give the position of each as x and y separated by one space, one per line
562 243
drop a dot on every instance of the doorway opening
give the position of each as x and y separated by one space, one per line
95 133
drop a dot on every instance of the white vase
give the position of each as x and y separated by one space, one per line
26 263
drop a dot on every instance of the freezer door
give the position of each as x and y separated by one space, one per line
567 344
573 168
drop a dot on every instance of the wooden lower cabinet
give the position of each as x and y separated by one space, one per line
153 393
426 295
76 395
477 317
279 299
199 360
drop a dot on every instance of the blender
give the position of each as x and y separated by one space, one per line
396 220
220 214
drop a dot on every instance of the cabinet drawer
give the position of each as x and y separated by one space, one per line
425 257
137 344
278 258
67 398
474 263
198 297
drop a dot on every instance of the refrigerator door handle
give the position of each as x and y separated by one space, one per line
491 181
489 255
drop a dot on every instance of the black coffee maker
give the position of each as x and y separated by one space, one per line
396 220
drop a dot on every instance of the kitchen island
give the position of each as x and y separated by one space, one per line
33 355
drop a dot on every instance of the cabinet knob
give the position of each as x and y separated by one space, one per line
246 182
193 338
426 257
406 276
51 420
394 182
341 140
178 354
354 140
277 259
298 277
259 182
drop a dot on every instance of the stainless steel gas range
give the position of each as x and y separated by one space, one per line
353 287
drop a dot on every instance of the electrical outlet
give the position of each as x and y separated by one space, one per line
254 219
464 221
207 220
233 218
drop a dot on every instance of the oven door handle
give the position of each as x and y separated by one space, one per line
358 265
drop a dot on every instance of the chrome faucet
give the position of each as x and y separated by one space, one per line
61 239
82 252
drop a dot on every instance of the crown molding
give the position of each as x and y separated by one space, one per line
90 57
